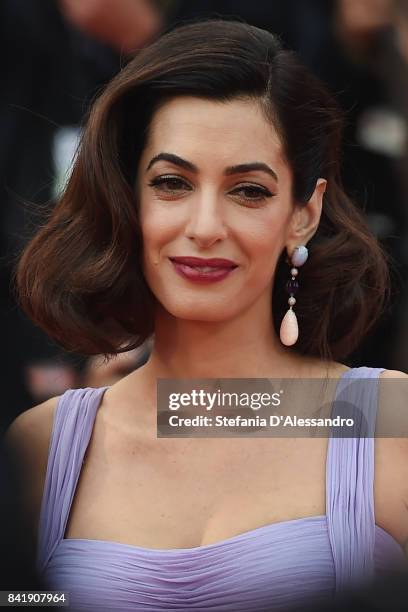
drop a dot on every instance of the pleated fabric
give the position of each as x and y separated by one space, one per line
276 567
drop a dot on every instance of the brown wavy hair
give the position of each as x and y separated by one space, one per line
80 278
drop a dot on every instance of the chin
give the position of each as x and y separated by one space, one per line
210 313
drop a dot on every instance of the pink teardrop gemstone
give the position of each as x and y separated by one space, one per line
289 330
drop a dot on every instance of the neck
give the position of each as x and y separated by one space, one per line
244 347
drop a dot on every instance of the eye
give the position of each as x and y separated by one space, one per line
260 193
168 184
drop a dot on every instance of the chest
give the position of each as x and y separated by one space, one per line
184 493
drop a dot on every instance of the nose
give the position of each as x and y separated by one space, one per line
206 223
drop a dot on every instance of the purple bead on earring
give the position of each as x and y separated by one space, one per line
289 329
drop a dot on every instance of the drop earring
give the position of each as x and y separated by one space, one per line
289 329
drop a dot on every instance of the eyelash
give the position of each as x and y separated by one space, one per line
165 180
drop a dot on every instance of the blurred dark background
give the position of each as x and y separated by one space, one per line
57 54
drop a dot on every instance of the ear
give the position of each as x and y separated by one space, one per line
305 219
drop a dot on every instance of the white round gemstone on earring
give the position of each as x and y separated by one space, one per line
294 271
291 301
300 255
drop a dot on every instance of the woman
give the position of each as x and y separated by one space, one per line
213 144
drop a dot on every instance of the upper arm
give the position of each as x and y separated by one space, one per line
392 439
27 440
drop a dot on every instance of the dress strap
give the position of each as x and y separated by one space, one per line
72 428
350 478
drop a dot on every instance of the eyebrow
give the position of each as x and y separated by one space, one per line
238 169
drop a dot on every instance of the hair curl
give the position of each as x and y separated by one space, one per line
80 278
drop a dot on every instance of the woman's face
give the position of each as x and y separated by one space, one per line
213 183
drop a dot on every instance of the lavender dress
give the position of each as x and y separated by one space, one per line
275 567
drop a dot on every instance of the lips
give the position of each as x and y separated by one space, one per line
204 264
200 270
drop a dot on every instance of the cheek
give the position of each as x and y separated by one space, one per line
157 226
264 242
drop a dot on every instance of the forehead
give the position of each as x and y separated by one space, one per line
196 127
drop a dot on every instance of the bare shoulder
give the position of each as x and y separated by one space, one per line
392 418
30 432
393 374
27 440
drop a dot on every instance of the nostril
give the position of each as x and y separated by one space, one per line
206 233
